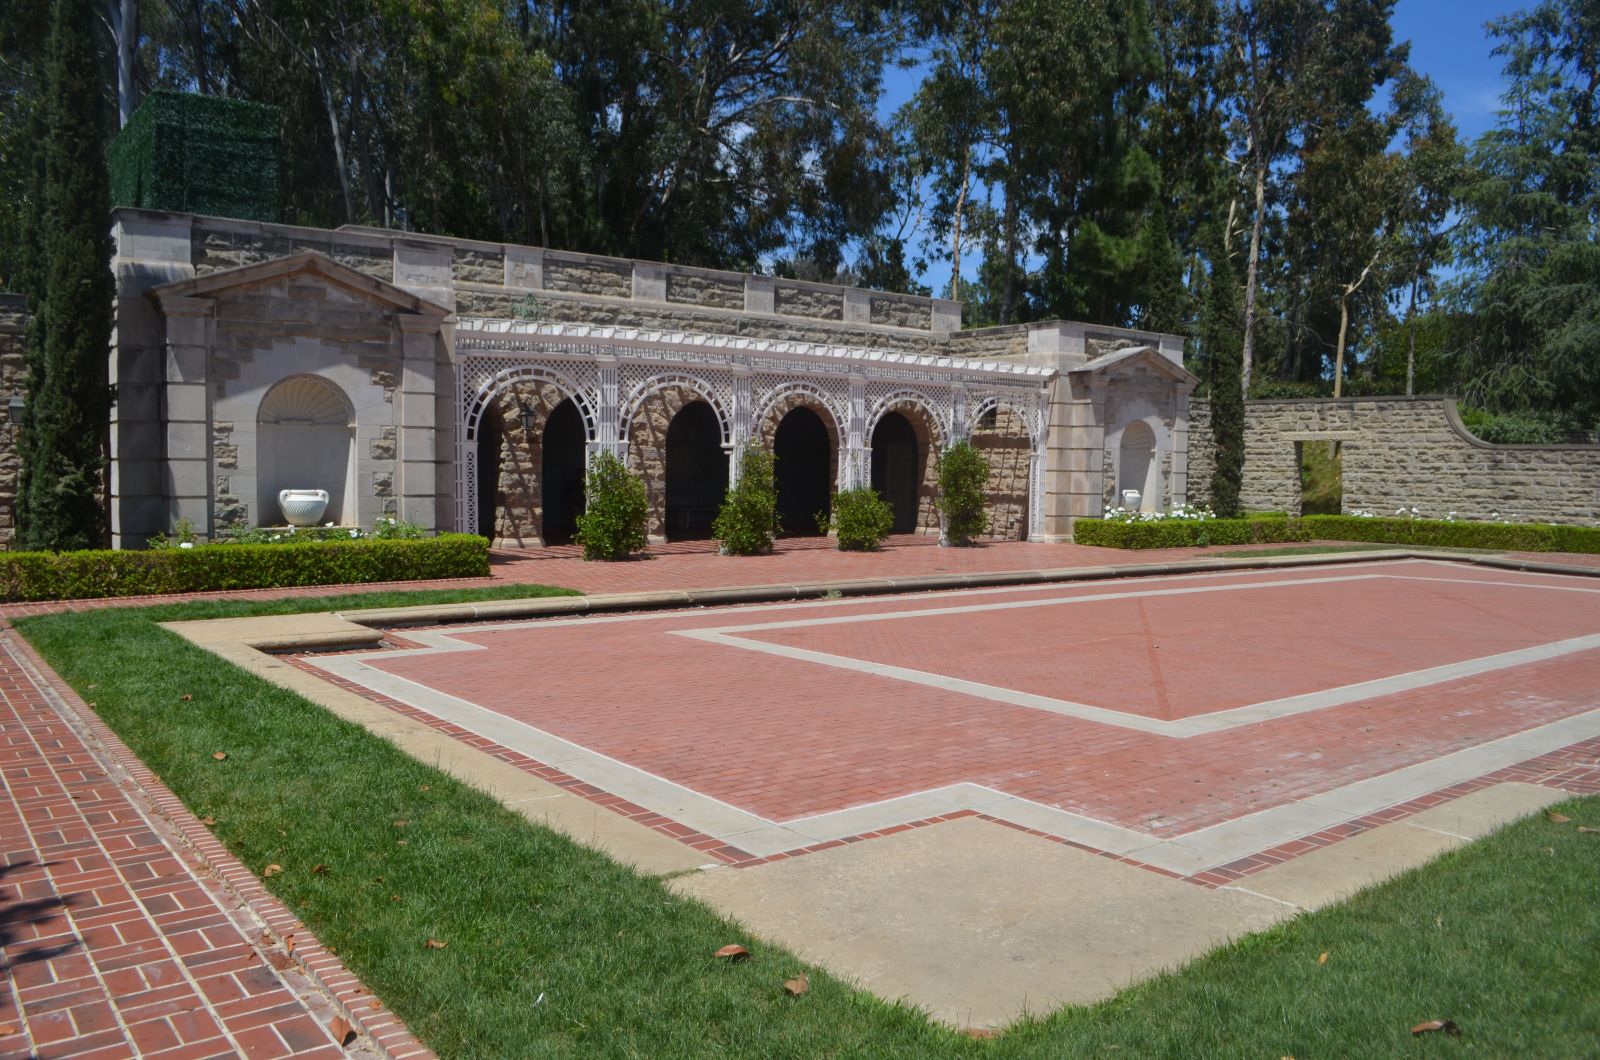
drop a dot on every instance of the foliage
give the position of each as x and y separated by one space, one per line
859 518
748 520
208 568
198 154
1219 338
65 421
1193 512
1532 283
1450 533
963 473
385 529
1181 533
612 526
1321 478
1528 427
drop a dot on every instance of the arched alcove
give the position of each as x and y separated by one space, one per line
804 472
1137 466
897 467
305 439
561 481
696 472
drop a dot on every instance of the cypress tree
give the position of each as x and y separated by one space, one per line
1221 339
65 422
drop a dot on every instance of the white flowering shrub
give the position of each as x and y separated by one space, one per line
1189 512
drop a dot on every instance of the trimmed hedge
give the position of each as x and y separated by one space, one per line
1511 537
26 576
198 154
1178 533
1437 533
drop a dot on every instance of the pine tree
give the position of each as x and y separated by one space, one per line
1220 340
65 421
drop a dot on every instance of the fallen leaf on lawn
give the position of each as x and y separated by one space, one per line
394 898
979 1032
186 697
423 788
435 944
402 842
1556 818
319 867
208 821
374 1004
1323 957
377 879
339 1027
1437 1025
796 986
1586 828
401 824
733 952
271 870
220 755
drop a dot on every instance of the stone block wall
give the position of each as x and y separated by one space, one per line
1004 444
1402 452
507 281
13 383
518 497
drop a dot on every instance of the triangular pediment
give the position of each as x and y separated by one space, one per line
1123 362
308 263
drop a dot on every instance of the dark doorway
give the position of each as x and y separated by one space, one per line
802 449
697 472
489 438
896 468
561 473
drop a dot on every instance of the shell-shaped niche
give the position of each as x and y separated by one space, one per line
306 401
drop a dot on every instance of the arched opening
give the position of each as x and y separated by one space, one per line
697 472
305 439
1136 466
491 431
802 449
897 468
561 474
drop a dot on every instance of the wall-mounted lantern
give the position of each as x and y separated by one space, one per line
14 407
525 414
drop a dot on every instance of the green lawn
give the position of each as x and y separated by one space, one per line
1502 937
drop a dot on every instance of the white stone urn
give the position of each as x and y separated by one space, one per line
303 507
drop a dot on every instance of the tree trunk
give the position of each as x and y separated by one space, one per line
331 107
955 242
1008 287
1338 350
1250 278
125 25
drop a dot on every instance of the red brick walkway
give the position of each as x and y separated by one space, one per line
785 738
125 928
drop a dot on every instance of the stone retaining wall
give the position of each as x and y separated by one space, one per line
1402 452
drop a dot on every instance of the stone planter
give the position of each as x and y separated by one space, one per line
303 507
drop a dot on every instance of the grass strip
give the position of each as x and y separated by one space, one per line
555 950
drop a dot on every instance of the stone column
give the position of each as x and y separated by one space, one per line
185 413
739 430
856 465
1180 446
418 454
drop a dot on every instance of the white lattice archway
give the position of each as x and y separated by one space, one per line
704 388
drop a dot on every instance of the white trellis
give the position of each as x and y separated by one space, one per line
609 373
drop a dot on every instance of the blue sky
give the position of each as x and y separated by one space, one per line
1448 43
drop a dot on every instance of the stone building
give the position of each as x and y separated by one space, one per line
463 385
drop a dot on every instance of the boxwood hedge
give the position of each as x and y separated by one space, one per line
1177 533
205 568
1437 533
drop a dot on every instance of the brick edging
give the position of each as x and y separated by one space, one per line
368 1015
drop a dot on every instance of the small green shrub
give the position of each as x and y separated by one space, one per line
612 526
861 519
191 568
963 473
748 520
1182 533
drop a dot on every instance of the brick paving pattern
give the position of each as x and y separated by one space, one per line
788 738
126 928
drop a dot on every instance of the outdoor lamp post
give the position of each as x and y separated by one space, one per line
524 415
